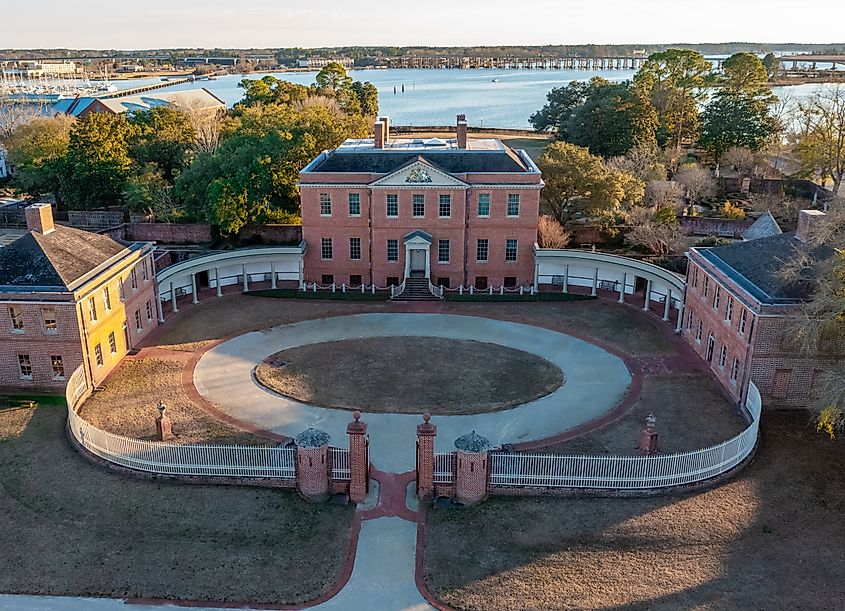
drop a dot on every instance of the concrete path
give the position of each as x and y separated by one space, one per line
10 602
596 382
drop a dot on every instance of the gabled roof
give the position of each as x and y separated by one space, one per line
764 227
57 259
191 99
758 266
418 171
417 233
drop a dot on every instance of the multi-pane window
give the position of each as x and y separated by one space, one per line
145 271
355 249
393 250
445 206
698 331
482 248
325 248
735 370
133 279
443 251
723 356
92 309
121 293
706 286
354 204
16 314
325 204
513 204
418 205
695 277
392 204
743 319
149 310
25 366
48 313
510 250
138 325
717 293
729 309
106 299
483 204
689 322
58 365
98 355
711 346
112 343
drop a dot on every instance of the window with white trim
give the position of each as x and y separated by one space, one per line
711 347
106 299
16 315
695 277
393 250
717 293
58 364
482 249
735 370
325 204
698 331
121 292
443 251
484 205
98 355
706 286
723 357
689 322
138 326
92 309
445 209
392 205
418 205
513 204
133 278
354 204
48 313
511 247
729 309
112 343
743 320
145 271
149 310
326 249
25 366
355 249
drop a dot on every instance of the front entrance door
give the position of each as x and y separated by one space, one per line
418 262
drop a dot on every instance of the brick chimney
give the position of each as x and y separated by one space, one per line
39 218
808 220
461 132
378 135
386 121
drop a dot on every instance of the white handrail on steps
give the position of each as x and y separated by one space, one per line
395 291
437 291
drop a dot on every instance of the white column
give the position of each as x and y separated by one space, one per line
428 263
595 282
173 299
680 325
536 283
272 274
647 294
194 298
566 279
622 290
159 308
217 281
301 272
407 261
668 304
246 278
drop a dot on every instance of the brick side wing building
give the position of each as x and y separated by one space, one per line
457 212
737 301
70 297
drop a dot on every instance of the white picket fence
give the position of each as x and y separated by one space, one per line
627 472
444 467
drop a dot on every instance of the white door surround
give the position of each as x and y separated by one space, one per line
417 247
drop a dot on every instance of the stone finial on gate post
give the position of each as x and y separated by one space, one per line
648 438
359 460
471 471
426 432
312 464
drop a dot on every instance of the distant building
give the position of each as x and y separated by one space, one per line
321 62
216 61
455 212
737 301
130 68
70 297
39 68
191 99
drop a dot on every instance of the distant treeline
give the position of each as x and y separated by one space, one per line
285 55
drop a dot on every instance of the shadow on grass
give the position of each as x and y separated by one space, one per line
71 528
771 538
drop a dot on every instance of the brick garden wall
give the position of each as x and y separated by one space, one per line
723 228
169 233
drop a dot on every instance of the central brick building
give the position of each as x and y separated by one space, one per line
457 212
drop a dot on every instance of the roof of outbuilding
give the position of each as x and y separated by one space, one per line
453 161
758 266
56 259
472 442
763 227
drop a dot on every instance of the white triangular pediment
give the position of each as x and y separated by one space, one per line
416 175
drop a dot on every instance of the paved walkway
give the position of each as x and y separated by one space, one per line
223 376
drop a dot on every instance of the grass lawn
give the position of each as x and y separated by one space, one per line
443 376
71 528
127 406
771 538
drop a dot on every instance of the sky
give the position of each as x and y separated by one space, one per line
96 24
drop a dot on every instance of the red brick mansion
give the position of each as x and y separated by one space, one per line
455 212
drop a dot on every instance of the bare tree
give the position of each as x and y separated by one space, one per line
552 234
207 124
651 233
663 194
821 138
13 114
739 158
698 182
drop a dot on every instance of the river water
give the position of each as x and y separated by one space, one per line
491 98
